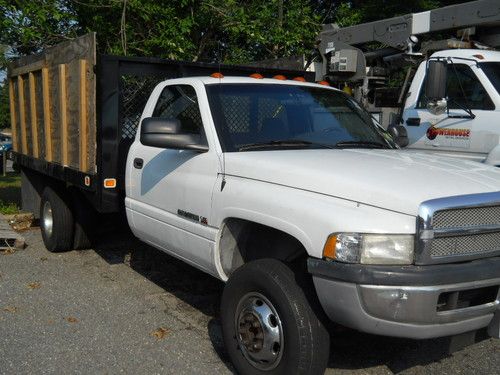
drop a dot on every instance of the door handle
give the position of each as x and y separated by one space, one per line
138 163
413 121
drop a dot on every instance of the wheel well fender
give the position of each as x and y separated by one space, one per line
242 240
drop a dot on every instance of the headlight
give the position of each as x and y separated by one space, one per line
370 248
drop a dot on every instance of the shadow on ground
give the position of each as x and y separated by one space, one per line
350 350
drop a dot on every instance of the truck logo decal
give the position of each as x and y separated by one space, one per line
189 215
433 132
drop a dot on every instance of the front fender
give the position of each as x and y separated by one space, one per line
309 217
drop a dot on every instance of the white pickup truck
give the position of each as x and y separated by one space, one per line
290 193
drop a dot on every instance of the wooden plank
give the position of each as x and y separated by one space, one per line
33 115
82 47
46 114
9 239
63 105
22 114
37 65
13 121
83 116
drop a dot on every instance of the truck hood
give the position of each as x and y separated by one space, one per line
390 179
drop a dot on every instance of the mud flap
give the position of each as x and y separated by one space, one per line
494 327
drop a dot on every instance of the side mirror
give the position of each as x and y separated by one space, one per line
435 82
399 134
435 87
166 133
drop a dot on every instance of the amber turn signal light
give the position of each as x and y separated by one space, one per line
330 246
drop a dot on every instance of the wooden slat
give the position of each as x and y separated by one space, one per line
83 123
46 114
13 123
37 65
22 114
33 115
63 115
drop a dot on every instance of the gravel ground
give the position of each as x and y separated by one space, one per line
127 308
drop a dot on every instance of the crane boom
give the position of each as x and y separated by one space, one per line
394 32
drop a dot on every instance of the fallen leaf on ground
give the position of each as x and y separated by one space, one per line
43 259
34 285
160 333
72 319
8 251
11 309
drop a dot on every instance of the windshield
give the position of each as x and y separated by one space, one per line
492 71
276 116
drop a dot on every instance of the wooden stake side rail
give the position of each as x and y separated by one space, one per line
52 105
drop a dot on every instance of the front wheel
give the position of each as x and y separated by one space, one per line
268 325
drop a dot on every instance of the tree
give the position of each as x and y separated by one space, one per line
29 26
4 105
231 30
261 30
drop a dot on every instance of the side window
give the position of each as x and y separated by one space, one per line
461 77
180 102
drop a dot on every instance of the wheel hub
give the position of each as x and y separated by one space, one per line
259 331
47 219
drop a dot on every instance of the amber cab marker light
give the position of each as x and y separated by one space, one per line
330 245
110 183
216 75
324 83
280 77
300 79
479 57
256 76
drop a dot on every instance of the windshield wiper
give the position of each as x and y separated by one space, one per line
360 144
282 143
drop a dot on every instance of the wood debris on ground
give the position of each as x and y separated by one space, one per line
160 333
34 285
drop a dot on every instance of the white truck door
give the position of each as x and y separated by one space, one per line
454 133
169 191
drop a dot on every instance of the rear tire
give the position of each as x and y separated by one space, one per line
56 221
268 325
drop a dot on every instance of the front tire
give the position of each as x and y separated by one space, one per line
268 325
56 221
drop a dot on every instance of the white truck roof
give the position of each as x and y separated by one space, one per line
210 80
469 54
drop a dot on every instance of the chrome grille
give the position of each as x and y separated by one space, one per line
465 245
466 217
459 228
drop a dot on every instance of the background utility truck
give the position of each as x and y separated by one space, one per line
285 189
463 121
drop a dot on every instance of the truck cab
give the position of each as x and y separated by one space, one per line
469 127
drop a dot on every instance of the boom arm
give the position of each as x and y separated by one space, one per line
394 32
